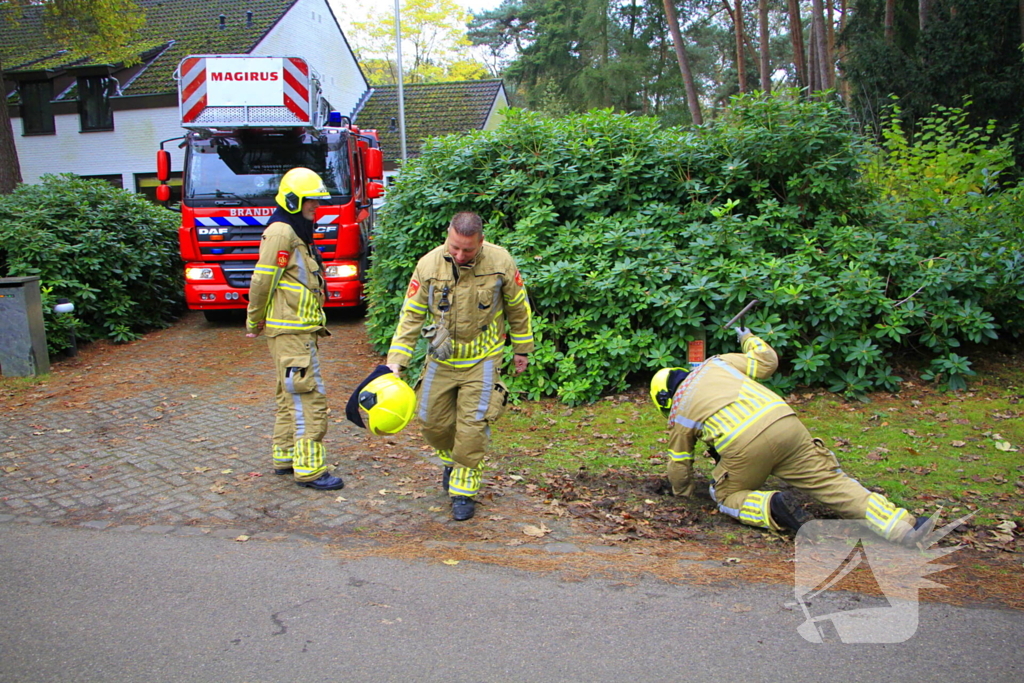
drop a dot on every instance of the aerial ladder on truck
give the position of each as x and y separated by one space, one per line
248 121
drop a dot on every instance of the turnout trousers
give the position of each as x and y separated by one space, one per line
301 419
456 406
786 449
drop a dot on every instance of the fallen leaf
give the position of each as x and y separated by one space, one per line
1004 446
450 563
434 508
227 471
958 444
536 531
339 499
202 469
496 518
732 560
242 539
876 453
63 431
740 608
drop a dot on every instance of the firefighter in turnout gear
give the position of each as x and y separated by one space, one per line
468 288
286 301
752 433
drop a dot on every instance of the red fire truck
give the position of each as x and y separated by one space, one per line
249 120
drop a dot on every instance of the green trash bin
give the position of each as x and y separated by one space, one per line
22 333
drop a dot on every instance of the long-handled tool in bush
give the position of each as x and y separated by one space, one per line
746 309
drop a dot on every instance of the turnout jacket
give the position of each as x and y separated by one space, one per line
721 404
287 289
472 301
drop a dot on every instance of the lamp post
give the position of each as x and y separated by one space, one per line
401 95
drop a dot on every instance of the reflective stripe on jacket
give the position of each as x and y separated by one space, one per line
473 301
288 298
721 403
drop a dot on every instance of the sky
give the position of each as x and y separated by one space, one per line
353 10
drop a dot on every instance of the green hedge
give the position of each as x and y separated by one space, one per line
629 235
109 251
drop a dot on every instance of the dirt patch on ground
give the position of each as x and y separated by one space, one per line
617 524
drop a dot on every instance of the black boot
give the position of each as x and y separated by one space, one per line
786 513
326 482
463 508
445 478
922 527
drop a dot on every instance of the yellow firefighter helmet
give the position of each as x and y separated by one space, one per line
663 386
298 185
389 402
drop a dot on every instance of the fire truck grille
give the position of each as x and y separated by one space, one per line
246 232
238 274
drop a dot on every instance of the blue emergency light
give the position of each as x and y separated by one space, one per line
334 119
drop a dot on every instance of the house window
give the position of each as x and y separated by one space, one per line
146 184
36 109
94 102
114 179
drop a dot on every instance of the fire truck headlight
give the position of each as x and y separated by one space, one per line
199 273
345 270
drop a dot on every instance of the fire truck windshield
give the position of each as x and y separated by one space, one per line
248 168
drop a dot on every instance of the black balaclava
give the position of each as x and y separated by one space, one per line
303 229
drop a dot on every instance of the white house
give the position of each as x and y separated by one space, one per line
72 115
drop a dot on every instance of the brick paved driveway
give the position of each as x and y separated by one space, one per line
172 434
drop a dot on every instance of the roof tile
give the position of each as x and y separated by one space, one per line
430 109
185 26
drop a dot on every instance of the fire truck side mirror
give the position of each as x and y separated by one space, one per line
374 190
373 162
163 165
163 193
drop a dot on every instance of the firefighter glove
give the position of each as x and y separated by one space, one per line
742 333
440 341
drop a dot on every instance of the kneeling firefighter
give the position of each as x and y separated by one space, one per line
286 301
752 433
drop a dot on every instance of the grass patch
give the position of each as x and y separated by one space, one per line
923 448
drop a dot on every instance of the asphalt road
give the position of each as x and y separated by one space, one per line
122 605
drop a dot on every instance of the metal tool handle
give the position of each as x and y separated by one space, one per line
746 309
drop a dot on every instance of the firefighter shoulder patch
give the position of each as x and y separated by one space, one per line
519 278
414 286
282 259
